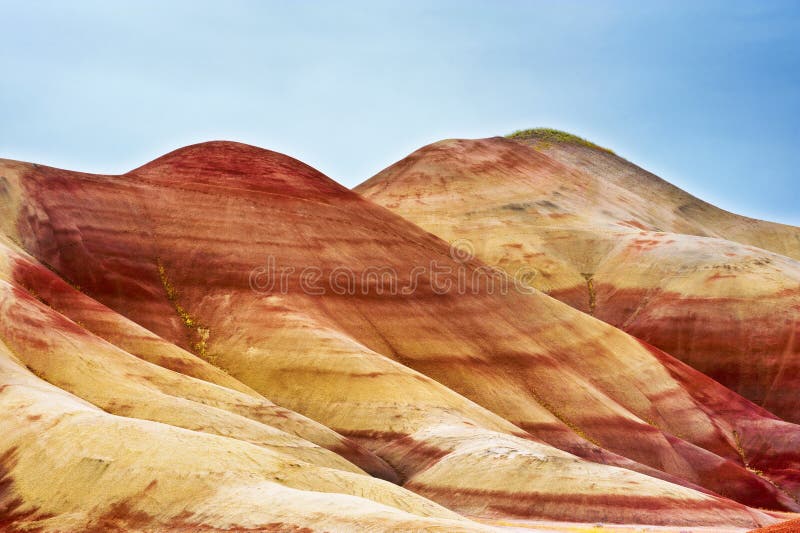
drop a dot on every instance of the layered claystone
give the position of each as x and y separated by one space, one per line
717 290
154 282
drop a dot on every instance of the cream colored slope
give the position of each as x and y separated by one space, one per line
528 478
76 360
449 448
353 388
67 466
61 353
351 383
308 364
72 358
669 208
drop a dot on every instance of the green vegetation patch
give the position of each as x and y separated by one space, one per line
550 135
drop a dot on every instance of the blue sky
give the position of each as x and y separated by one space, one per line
706 94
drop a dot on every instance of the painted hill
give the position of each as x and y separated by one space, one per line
154 322
717 290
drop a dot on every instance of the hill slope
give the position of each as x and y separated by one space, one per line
454 390
621 244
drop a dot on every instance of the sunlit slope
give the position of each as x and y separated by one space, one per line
429 382
617 242
661 206
68 466
46 326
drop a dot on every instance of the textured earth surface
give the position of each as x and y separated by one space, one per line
719 291
788 526
226 339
